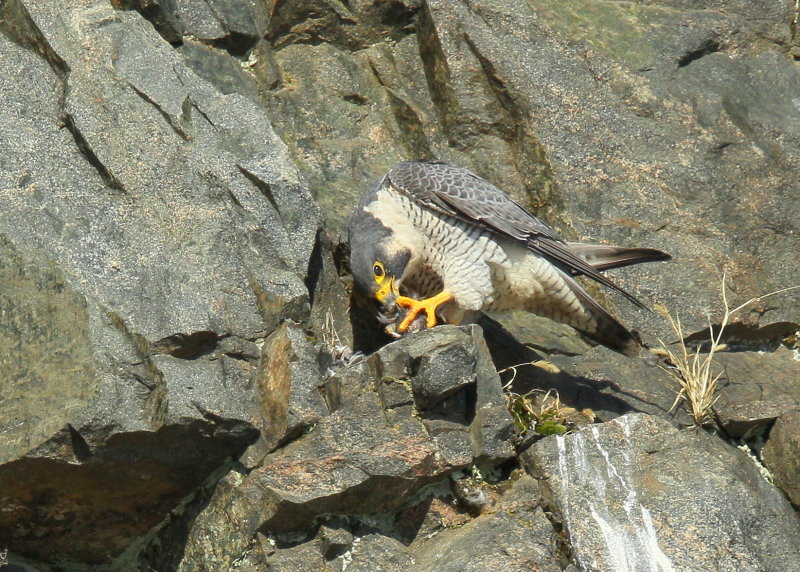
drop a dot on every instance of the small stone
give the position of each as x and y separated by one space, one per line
442 373
377 552
394 393
491 435
452 440
334 541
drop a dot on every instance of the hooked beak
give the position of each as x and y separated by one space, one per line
388 293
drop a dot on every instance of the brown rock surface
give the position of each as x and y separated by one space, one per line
782 454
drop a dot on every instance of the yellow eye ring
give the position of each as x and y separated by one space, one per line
378 270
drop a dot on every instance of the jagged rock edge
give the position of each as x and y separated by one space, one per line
432 57
157 391
380 522
147 550
742 337
15 18
406 117
19 27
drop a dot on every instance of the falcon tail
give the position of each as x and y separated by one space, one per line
608 330
615 336
603 257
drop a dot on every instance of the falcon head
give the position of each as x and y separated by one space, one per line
377 260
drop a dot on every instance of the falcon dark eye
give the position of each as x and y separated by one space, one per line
378 270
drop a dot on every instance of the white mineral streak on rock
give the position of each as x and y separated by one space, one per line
631 542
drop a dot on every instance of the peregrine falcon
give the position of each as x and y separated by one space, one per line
435 239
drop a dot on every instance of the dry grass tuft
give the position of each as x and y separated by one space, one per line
337 346
330 335
696 373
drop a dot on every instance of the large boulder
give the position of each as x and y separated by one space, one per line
153 230
636 492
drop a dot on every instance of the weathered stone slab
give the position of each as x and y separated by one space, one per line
636 492
782 454
756 388
515 535
289 381
354 460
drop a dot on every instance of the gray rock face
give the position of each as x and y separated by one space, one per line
376 448
152 229
514 536
180 383
759 388
637 494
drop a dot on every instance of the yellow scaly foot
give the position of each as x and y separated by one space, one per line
428 305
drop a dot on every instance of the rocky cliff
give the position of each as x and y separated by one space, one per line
186 383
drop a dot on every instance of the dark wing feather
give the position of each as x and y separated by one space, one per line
459 193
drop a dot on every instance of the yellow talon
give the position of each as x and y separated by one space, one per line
428 305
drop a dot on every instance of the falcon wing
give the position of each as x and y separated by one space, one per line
459 193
